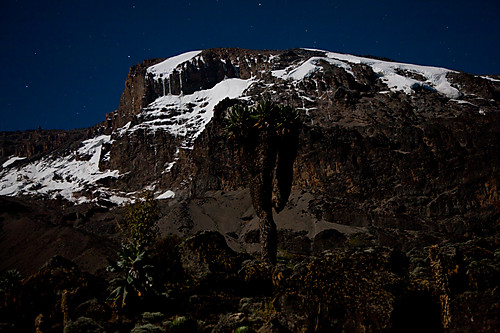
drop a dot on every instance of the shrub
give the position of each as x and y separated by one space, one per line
147 328
83 325
244 329
135 279
182 325
139 226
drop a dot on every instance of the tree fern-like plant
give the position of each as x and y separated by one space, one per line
10 280
139 230
265 115
287 127
238 121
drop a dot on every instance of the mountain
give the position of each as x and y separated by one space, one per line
390 154
378 133
384 144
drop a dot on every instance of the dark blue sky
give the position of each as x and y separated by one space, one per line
64 62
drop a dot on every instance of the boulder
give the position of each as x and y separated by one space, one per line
328 239
206 256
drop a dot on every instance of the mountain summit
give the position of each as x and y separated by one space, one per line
152 139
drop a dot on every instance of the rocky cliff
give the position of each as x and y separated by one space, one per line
383 144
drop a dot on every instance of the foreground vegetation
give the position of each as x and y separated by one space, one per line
200 285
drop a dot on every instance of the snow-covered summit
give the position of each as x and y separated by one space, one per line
397 76
166 107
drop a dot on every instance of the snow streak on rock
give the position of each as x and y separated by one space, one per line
186 116
12 160
309 67
62 176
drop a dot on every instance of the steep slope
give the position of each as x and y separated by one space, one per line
384 144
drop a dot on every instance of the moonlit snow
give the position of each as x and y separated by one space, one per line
12 160
166 67
185 117
389 72
61 176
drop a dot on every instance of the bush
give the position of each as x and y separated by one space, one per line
147 328
139 227
136 280
244 329
83 325
182 325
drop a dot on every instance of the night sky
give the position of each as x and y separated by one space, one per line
64 63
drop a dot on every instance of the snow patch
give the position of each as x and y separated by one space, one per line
12 160
167 67
490 79
61 176
167 195
308 68
389 74
392 73
460 101
186 116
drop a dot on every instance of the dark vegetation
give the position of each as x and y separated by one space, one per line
200 285
267 137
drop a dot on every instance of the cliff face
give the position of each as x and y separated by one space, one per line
383 144
33 143
204 72
396 168
135 96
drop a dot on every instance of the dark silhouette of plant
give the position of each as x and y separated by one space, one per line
10 280
10 285
139 230
139 226
266 136
135 280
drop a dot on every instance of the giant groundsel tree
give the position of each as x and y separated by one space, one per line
266 136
